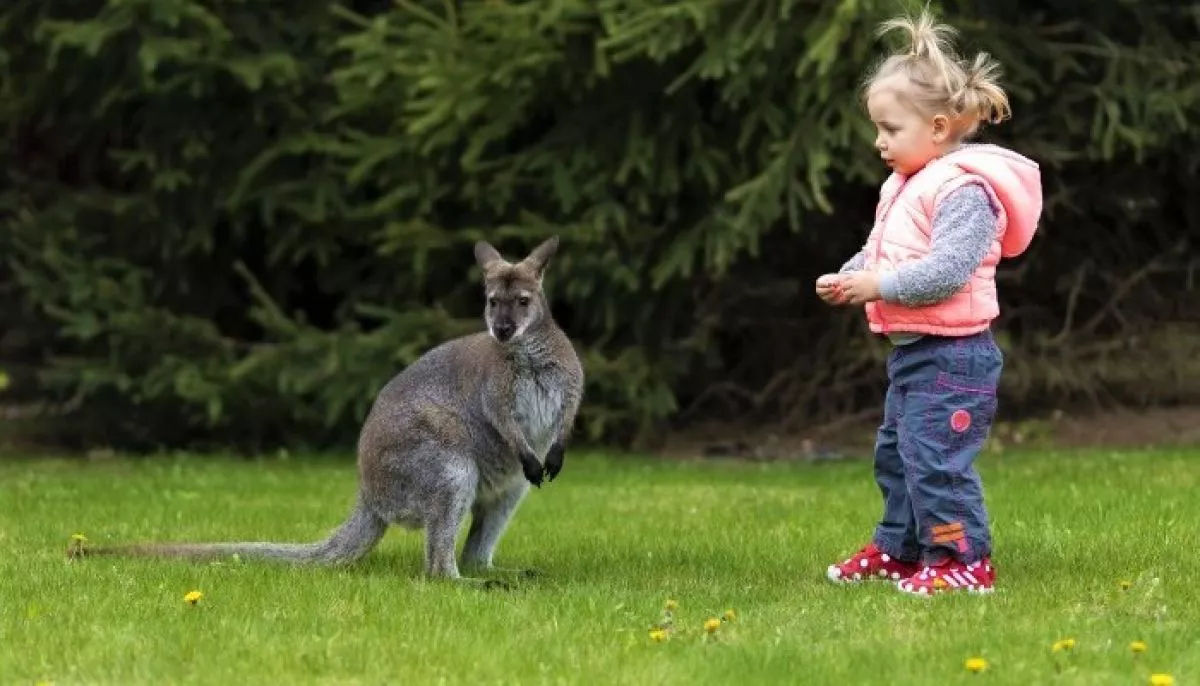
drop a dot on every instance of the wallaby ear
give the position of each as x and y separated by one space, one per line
486 255
540 256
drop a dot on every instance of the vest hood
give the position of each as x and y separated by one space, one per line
1017 183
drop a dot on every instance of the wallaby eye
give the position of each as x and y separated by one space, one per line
491 302
523 301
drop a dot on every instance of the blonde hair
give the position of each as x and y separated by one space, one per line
938 80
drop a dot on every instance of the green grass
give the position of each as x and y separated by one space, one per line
615 538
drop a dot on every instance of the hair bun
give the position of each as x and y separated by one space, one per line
938 80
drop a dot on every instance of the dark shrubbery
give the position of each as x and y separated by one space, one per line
230 223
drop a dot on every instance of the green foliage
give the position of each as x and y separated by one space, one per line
232 222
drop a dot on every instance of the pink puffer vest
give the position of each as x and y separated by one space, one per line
904 219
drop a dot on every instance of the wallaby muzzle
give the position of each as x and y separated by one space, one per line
503 331
502 322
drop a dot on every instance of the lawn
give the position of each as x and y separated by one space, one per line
1099 547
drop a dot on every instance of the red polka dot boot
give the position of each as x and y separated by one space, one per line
951 575
870 563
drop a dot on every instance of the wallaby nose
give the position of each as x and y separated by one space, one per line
504 332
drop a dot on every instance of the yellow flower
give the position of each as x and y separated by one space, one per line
193 597
658 635
1064 644
730 615
712 624
939 583
671 604
1126 584
76 547
975 664
1162 680
1138 646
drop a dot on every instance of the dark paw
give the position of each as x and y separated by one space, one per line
554 460
532 469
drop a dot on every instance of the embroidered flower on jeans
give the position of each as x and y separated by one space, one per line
960 421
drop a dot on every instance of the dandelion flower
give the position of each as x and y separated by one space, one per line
671 605
712 624
193 597
1138 646
658 635
1064 644
1162 680
975 664
730 615
1126 584
76 547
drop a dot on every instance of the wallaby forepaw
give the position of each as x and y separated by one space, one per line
533 470
554 461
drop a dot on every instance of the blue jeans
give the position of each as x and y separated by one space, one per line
940 404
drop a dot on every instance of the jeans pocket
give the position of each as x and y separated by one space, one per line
959 414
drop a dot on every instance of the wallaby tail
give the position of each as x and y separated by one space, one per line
353 539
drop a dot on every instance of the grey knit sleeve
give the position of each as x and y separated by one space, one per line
855 263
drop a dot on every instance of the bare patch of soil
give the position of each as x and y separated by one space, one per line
1173 426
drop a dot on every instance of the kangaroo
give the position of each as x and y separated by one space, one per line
467 427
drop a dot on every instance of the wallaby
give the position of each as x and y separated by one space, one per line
466 427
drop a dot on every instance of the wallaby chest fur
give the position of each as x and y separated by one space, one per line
540 405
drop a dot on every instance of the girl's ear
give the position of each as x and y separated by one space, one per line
941 128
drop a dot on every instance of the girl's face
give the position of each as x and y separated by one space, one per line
906 139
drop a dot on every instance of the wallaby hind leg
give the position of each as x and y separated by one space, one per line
445 512
489 520
421 484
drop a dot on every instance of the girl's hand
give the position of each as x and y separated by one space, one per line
829 289
858 288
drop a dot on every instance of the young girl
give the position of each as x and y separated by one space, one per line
947 214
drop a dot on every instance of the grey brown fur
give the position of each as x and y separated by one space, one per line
464 429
